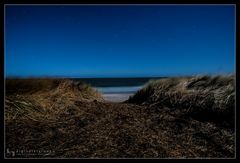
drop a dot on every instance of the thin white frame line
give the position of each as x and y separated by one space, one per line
120 4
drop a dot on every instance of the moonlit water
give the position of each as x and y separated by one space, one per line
118 94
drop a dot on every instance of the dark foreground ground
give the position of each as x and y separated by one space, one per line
170 118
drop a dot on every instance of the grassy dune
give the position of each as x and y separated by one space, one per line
43 99
169 118
50 86
210 98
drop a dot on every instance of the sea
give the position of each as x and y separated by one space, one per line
117 89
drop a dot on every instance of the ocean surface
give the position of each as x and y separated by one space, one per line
116 89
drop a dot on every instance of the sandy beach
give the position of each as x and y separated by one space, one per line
114 97
118 94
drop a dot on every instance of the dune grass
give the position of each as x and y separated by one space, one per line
44 99
37 85
169 118
30 85
203 97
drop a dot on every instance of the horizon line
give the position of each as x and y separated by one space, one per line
142 76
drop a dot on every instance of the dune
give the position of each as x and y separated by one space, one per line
185 117
203 97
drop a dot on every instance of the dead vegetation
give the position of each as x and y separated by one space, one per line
71 120
203 97
205 102
30 85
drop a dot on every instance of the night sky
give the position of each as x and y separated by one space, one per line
119 41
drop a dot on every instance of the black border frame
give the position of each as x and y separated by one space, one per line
235 2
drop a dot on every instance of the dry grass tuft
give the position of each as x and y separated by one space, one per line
30 85
202 97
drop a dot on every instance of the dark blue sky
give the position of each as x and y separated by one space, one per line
119 41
